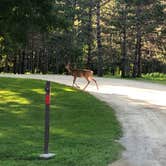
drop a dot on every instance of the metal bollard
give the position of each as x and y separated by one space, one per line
46 154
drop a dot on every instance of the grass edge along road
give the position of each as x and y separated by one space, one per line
155 77
83 130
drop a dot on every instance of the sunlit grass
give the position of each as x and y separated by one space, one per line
149 77
1 134
39 91
7 96
83 130
155 77
69 89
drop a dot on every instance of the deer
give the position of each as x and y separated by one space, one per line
87 74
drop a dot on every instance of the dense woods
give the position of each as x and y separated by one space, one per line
126 37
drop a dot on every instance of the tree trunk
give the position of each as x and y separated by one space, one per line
33 61
137 58
139 54
112 54
57 64
124 63
6 68
37 61
99 45
15 64
22 62
89 42
45 61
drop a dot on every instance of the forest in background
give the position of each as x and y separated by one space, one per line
126 37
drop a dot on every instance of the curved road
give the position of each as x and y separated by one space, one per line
141 109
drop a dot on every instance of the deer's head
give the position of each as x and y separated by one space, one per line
68 67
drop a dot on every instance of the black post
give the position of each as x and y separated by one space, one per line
46 154
47 119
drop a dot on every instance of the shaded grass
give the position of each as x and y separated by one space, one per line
83 130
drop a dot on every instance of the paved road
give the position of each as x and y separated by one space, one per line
141 109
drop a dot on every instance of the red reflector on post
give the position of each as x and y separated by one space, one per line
47 99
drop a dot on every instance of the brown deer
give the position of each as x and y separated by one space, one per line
87 74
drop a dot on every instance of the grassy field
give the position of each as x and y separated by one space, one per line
83 130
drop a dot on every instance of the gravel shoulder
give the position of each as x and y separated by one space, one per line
141 109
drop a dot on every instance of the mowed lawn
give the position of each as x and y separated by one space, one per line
83 130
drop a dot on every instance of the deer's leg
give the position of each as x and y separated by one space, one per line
74 80
77 85
87 83
95 83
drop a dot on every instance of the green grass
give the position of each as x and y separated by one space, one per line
83 130
149 77
154 77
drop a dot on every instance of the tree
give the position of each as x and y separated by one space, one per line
99 45
108 36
